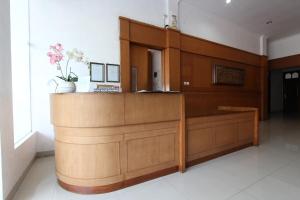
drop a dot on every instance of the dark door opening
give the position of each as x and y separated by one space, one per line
291 89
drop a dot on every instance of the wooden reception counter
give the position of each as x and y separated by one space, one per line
222 131
105 142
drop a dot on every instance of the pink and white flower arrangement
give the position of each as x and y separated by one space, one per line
56 57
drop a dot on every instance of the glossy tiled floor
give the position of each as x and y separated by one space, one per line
268 172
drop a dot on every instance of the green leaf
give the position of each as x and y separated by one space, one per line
62 78
72 77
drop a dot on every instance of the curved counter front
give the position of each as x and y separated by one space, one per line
105 142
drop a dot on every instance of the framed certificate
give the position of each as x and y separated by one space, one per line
97 73
113 73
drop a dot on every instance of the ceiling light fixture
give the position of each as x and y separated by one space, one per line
269 22
228 1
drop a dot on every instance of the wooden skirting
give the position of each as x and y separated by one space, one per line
210 157
117 186
285 62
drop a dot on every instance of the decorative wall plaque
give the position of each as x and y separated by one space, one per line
228 76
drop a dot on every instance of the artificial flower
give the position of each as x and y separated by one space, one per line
56 56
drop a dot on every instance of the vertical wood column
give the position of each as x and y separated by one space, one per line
125 54
172 61
264 87
182 136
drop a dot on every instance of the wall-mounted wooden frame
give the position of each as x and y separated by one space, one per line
112 73
97 72
223 75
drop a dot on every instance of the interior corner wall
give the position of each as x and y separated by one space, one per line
197 22
14 161
284 47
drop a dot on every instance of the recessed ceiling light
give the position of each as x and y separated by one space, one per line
228 1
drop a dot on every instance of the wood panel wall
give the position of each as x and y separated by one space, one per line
203 97
285 62
139 58
188 58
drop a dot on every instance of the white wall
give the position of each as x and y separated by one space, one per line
284 47
14 162
93 27
194 21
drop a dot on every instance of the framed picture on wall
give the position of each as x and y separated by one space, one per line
113 73
97 72
223 75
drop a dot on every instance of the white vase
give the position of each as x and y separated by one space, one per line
64 86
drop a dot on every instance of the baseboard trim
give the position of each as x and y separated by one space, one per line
14 190
119 185
216 155
43 154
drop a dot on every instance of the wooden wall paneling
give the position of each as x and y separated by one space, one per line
172 39
204 103
171 58
140 60
124 28
151 150
285 62
125 55
150 72
148 35
196 57
246 130
226 135
182 136
198 69
264 86
256 136
172 69
151 108
212 135
125 66
200 140
203 47
103 169
203 97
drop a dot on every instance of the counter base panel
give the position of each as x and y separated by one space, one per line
117 186
216 155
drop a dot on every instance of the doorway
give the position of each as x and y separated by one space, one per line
291 89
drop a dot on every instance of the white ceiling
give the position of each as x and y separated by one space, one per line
253 14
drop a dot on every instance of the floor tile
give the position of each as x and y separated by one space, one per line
242 196
274 189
